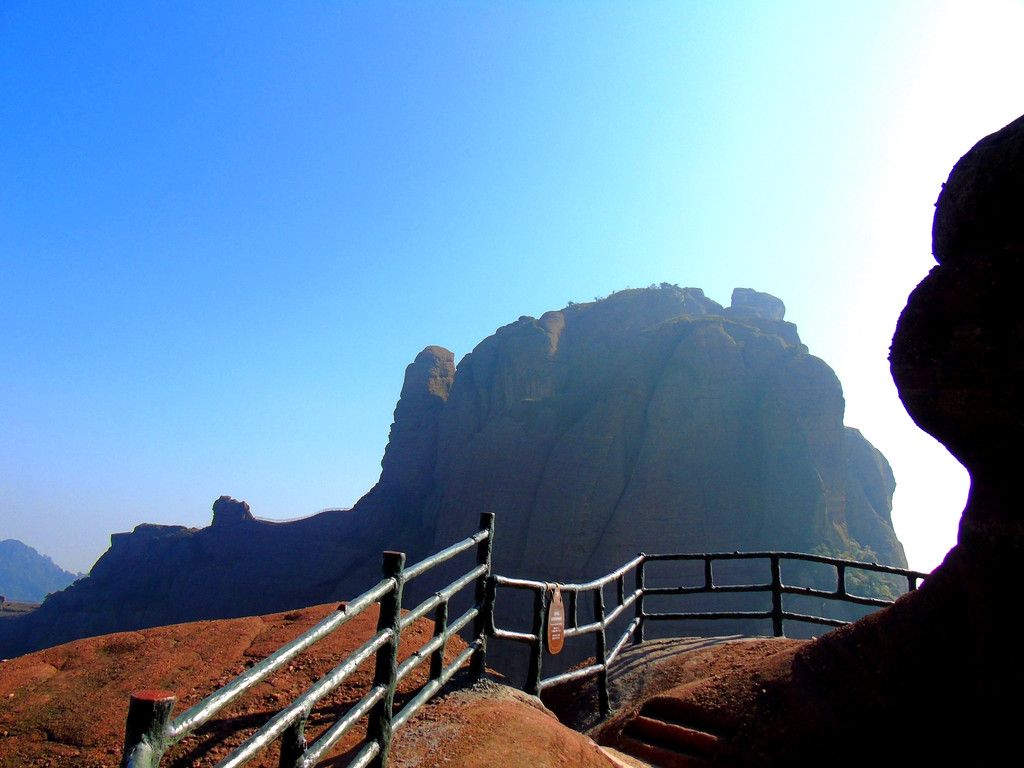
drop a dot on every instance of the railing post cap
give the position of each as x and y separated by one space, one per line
153 695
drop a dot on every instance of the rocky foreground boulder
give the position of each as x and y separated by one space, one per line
654 419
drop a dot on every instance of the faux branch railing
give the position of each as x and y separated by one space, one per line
150 730
633 596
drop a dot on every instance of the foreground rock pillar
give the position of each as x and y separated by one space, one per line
936 678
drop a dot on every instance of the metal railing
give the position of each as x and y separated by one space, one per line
635 594
150 731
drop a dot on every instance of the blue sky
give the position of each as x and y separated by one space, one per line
225 229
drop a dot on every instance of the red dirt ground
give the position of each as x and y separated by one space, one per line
66 706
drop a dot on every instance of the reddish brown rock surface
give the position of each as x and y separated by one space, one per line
66 706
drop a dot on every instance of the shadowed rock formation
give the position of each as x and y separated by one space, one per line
655 419
228 511
165 574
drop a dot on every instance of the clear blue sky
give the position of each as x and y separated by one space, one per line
226 228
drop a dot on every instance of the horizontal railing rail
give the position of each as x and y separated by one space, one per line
150 731
634 596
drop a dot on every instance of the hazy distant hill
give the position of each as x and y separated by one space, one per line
26 575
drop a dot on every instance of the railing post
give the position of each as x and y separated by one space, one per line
379 725
709 582
776 596
540 604
440 630
492 599
293 744
145 731
484 556
602 653
641 586
841 580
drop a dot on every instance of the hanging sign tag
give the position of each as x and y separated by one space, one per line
556 622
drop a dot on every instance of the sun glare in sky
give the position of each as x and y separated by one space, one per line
225 229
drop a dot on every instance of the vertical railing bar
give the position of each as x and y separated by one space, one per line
484 556
573 614
492 597
537 646
709 582
776 596
641 587
386 669
601 653
147 728
440 630
293 743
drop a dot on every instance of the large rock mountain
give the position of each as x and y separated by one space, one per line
655 419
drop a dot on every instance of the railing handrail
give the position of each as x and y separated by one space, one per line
825 559
635 629
150 731
586 586
209 707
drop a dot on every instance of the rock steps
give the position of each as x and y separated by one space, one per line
672 733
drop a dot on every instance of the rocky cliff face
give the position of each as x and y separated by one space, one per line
164 574
654 419
651 420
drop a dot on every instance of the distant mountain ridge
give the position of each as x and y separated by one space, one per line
27 576
655 419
